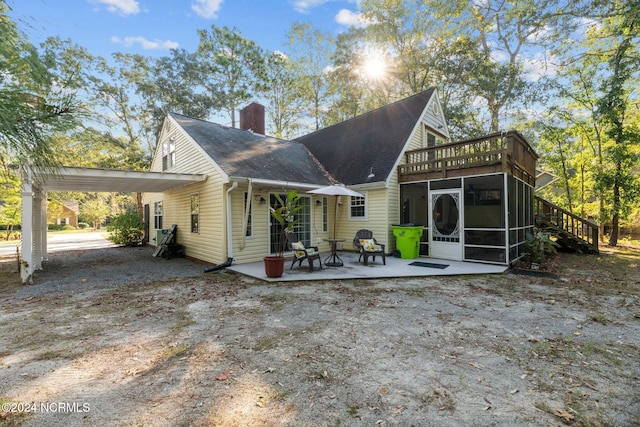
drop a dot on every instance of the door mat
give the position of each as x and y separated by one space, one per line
429 264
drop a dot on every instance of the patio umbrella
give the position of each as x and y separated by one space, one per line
336 190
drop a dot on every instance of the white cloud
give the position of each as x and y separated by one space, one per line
542 34
144 43
123 7
207 8
351 19
304 6
538 67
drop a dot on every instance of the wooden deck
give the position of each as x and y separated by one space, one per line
498 152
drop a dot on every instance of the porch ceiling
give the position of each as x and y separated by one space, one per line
109 180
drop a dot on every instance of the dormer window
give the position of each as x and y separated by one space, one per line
168 154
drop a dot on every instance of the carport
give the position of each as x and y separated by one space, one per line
36 182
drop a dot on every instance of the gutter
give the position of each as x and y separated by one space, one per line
277 183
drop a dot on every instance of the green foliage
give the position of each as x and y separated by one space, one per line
34 102
285 215
230 68
94 211
11 206
539 244
126 229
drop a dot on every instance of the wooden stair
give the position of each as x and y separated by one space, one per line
573 231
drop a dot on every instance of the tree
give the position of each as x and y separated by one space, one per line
598 108
34 100
170 84
11 206
619 181
231 69
504 33
310 51
284 106
95 211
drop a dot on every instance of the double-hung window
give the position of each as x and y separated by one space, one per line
168 154
157 215
358 208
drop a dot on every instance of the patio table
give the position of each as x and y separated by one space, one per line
333 260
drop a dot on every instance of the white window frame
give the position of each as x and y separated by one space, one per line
195 229
158 212
168 154
364 204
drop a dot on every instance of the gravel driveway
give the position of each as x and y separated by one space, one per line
75 271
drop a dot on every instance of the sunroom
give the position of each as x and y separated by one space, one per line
474 198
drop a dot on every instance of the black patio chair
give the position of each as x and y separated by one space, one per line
368 246
300 252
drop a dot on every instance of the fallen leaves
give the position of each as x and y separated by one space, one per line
564 415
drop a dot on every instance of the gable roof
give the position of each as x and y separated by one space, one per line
244 154
371 142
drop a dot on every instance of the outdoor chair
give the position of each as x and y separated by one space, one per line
300 252
367 246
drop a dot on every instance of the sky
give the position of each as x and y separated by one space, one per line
153 27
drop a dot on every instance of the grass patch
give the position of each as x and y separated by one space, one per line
598 318
12 418
173 351
265 343
183 320
60 353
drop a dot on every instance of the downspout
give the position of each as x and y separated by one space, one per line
245 215
230 221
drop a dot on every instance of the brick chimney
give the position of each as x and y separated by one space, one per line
252 118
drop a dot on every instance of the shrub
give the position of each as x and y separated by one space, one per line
126 229
83 225
539 245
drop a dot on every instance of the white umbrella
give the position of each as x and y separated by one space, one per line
335 190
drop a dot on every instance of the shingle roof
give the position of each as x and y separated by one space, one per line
244 154
348 150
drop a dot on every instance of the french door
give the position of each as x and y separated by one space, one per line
303 225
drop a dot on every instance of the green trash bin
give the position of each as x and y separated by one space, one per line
407 239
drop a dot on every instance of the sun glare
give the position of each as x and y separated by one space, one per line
375 68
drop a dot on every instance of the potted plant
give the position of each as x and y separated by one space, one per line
284 214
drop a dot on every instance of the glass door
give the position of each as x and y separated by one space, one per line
445 231
303 226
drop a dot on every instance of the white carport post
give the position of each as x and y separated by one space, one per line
43 228
26 264
38 233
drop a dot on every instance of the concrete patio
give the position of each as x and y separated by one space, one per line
352 269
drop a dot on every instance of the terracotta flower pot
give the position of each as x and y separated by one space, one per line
273 266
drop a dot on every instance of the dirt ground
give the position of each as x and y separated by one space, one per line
226 350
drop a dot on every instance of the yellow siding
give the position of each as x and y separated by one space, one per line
210 243
378 217
256 246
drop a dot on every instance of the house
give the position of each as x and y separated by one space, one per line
63 213
474 198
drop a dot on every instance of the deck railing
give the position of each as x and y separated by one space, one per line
498 152
584 230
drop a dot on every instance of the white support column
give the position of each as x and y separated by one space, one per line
26 263
45 255
37 228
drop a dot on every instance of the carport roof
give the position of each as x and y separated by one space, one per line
109 180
